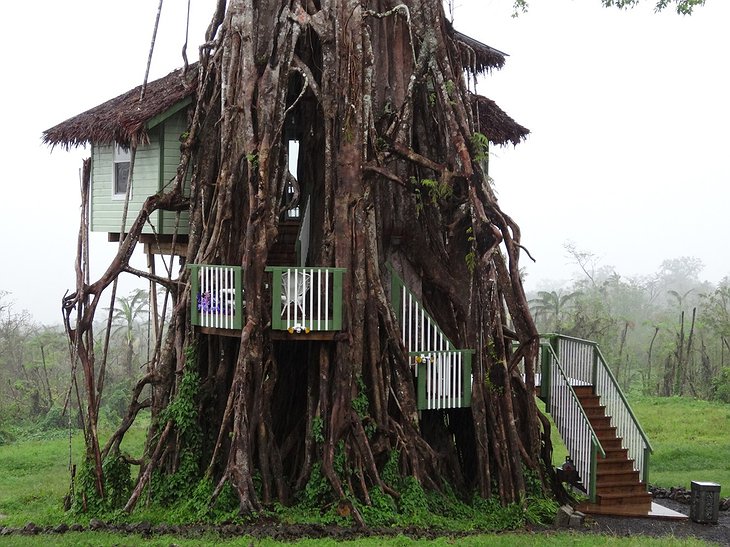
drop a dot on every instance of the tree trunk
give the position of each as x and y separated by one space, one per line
374 92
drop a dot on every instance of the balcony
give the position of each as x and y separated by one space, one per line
308 299
303 300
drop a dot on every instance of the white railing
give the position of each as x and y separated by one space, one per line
583 363
444 380
216 296
570 420
443 373
306 299
420 332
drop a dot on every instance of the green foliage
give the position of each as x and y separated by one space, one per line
436 190
317 491
382 511
682 7
480 146
117 481
471 256
450 87
318 429
721 386
183 412
360 403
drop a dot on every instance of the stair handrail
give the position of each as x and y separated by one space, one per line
408 308
623 418
585 362
571 421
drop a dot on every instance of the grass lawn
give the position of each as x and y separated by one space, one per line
691 440
34 475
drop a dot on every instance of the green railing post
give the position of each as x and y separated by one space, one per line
466 378
396 288
594 470
645 471
276 321
194 292
238 281
421 391
594 372
337 299
546 378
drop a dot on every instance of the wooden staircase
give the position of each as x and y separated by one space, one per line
283 252
619 489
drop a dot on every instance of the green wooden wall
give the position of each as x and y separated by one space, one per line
154 167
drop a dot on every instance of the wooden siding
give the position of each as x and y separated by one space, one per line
154 168
174 127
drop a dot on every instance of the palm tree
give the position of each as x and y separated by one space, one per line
127 312
549 308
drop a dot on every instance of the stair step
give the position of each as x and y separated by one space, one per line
605 433
616 453
589 400
622 510
615 464
594 411
584 391
621 487
611 444
600 422
609 476
638 498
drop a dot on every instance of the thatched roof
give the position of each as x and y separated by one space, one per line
477 56
124 119
496 124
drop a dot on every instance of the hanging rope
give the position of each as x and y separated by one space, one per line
152 48
185 45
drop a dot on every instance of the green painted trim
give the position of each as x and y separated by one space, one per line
421 390
545 373
396 285
645 474
337 299
466 378
594 470
335 323
174 109
238 281
194 291
160 175
276 321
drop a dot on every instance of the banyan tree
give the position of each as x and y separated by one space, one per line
349 292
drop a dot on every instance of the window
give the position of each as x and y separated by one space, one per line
293 213
121 171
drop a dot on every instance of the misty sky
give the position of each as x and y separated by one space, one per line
627 158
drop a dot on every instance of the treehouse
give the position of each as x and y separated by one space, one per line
154 126
153 122
135 142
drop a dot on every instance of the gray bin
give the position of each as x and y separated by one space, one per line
704 502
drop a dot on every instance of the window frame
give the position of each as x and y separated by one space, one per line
120 155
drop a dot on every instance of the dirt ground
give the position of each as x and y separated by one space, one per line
620 526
